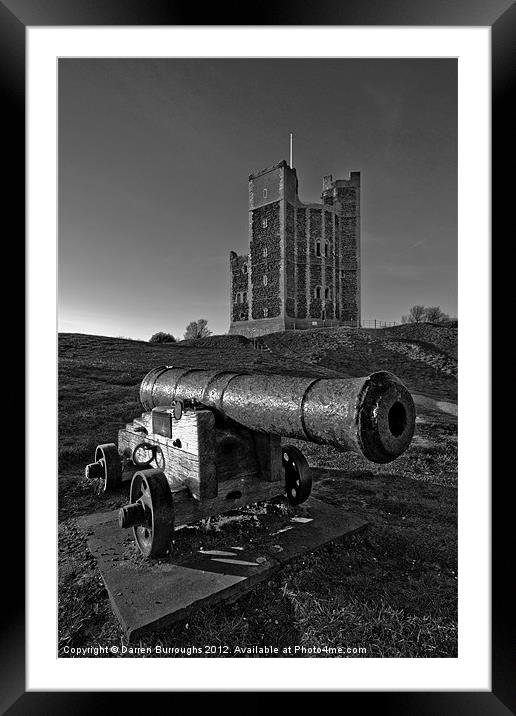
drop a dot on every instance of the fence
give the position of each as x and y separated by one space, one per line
259 343
322 323
373 323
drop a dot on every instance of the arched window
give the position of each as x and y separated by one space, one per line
244 268
265 312
326 293
264 223
317 248
326 248
239 298
244 297
265 280
265 253
265 193
317 292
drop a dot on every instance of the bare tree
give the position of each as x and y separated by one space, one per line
416 314
434 314
197 329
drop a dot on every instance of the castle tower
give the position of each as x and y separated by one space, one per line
303 266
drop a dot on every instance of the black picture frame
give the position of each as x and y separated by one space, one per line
15 17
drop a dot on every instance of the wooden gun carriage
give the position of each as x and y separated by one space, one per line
210 441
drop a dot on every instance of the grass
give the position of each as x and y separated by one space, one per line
391 590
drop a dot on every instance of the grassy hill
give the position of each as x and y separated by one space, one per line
424 357
99 376
99 380
392 589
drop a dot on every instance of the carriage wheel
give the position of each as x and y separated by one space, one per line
107 467
151 512
298 478
145 453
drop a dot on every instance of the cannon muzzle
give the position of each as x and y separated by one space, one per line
374 416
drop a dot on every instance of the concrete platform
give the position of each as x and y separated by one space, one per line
148 595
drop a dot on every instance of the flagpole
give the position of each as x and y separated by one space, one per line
291 135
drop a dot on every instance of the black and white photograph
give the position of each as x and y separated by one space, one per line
258 329
258 353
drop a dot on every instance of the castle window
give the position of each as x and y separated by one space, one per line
265 193
244 297
326 293
317 248
265 280
326 248
317 292
244 268
265 312
264 223
265 253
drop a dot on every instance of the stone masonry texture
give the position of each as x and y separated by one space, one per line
266 261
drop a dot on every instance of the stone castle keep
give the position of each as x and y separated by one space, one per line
303 266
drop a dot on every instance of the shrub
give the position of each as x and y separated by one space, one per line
162 337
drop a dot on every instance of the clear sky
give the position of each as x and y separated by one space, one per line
154 157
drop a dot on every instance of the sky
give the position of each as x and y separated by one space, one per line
154 159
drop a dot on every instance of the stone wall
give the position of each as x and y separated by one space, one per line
338 283
290 266
301 262
329 265
349 234
261 327
266 240
239 286
315 306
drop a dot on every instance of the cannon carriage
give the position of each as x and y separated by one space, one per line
210 441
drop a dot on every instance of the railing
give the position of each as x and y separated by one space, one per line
258 343
374 323
333 323
322 323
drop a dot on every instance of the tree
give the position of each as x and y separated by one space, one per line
416 314
162 337
434 314
426 314
197 329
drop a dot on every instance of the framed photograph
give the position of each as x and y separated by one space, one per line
265 237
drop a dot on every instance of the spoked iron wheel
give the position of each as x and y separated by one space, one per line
298 478
151 512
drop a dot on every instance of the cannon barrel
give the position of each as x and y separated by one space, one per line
374 416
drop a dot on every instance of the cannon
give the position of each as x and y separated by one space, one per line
210 441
